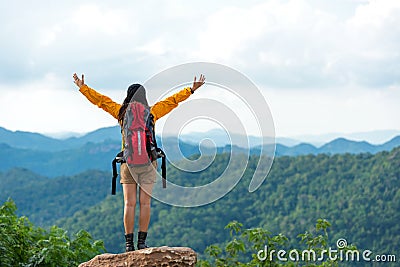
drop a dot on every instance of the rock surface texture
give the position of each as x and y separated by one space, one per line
161 256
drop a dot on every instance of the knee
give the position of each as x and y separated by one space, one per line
130 203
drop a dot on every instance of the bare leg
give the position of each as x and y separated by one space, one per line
145 201
130 205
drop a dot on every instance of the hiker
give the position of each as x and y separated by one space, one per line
144 176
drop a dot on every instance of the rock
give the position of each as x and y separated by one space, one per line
159 256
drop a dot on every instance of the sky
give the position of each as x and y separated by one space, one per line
322 66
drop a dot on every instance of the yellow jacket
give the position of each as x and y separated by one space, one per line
158 110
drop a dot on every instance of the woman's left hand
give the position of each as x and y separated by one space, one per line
199 83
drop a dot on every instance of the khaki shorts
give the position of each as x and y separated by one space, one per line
141 174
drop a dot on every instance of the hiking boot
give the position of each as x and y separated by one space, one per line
142 240
129 243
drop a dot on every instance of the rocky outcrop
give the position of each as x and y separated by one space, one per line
160 256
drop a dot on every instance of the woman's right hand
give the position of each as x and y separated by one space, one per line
77 81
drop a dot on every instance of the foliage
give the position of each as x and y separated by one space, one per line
23 244
258 247
46 200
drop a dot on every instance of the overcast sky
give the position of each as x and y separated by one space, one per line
323 66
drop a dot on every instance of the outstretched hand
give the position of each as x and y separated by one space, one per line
200 82
77 81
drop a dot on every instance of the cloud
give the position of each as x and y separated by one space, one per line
340 110
294 45
373 54
297 44
50 108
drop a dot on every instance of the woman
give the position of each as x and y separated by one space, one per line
144 176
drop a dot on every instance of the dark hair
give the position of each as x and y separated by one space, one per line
135 92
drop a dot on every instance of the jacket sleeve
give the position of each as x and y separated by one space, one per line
165 106
102 101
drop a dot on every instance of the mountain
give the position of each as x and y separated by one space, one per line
337 146
221 139
36 141
56 163
40 142
300 149
190 142
342 145
46 200
95 150
373 137
29 140
357 193
97 136
391 143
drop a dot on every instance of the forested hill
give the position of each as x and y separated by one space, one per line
359 194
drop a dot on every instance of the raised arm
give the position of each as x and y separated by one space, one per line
165 106
102 101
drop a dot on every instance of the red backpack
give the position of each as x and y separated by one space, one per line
137 135
140 147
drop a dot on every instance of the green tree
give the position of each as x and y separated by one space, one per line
23 244
258 247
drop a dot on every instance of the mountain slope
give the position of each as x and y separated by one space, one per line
68 162
39 142
46 200
358 194
342 145
29 140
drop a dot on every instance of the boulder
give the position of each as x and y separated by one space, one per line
158 256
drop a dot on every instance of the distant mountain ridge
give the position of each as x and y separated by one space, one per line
373 137
95 150
337 146
36 141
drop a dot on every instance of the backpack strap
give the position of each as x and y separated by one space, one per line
119 158
161 154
